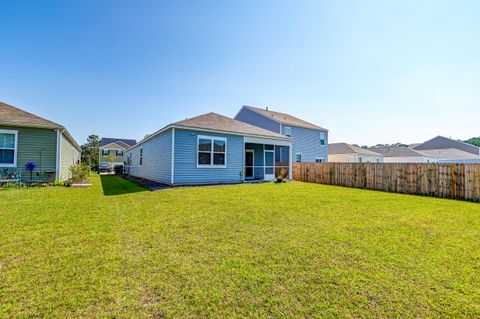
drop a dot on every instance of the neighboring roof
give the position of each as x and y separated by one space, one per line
10 115
398 151
285 118
123 142
13 116
344 148
450 154
441 142
217 122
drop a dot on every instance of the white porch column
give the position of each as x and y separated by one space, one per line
290 162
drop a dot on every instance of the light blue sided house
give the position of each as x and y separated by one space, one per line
209 149
309 141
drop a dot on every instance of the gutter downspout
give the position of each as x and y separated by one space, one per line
57 168
172 179
290 163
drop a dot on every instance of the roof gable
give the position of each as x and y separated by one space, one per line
285 118
441 142
217 122
123 142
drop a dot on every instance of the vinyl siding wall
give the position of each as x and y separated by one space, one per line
38 146
185 167
118 159
409 159
354 158
157 158
69 156
248 116
307 142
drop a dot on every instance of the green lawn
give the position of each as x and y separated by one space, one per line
265 251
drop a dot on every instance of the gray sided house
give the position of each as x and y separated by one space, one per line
309 141
114 147
348 153
403 154
25 137
209 149
447 150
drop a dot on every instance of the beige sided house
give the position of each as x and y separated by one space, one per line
347 153
116 147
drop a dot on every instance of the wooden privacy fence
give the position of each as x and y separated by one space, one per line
455 181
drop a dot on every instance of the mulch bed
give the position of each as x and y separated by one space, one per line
151 185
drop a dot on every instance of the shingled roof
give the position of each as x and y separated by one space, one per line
285 118
13 116
440 142
217 122
345 148
123 142
398 151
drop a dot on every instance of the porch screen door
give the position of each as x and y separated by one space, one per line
269 165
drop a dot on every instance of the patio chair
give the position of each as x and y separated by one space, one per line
282 175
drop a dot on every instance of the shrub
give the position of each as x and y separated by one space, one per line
57 183
118 169
80 173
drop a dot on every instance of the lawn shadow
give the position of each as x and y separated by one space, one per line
116 185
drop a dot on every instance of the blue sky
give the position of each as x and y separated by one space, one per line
370 71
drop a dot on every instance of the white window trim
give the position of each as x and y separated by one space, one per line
285 130
212 138
15 150
300 157
140 157
323 137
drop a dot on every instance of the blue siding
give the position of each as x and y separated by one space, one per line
307 142
248 116
157 158
185 166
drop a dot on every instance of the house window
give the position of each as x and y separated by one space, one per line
211 151
298 157
105 152
360 159
351 159
322 138
288 131
141 156
318 160
8 148
119 153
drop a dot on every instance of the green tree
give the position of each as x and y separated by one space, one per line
90 151
474 141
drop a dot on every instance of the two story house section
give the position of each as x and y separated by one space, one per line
111 151
310 141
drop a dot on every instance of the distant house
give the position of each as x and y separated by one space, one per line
404 154
114 147
447 150
309 141
25 137
208 149
347 153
